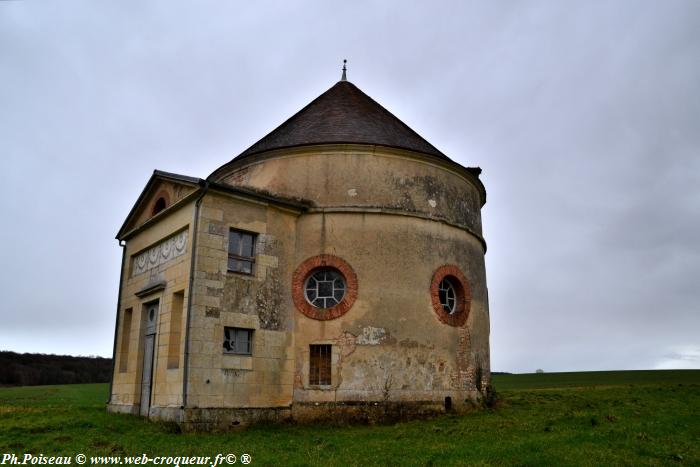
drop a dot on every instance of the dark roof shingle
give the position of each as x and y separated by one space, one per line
343 114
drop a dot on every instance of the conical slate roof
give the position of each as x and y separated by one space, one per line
343 114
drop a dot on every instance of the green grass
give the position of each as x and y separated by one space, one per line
594 378
606 418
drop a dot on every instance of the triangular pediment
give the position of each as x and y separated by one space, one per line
163 191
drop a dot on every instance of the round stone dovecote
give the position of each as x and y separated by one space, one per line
400 223
333 270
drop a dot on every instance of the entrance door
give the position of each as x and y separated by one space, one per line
148 351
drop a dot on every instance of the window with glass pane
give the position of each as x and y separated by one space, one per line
325 288
320 364
241 251
238 341
447 294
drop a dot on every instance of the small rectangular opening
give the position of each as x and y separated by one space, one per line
320 364
238 341
448 404
241 251
125 338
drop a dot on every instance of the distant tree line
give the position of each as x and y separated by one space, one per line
30 369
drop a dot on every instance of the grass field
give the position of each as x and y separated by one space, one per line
597 418
583 379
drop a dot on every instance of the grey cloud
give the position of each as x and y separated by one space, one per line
585 118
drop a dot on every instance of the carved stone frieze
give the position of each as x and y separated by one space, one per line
163 252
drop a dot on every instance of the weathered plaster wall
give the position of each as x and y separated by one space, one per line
390 345
376 208
368 177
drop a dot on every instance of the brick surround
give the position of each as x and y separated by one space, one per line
161 194
312 264
463 299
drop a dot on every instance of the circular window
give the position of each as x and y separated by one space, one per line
451 295
324 287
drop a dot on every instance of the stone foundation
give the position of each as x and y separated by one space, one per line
222 419
368 413
123 409
337 413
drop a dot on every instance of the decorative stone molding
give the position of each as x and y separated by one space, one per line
310 266
165 251
151 288
463 300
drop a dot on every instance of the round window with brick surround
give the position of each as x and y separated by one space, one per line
324 287
450 295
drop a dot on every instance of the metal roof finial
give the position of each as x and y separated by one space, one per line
344 77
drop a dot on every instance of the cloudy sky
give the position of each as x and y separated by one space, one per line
585 117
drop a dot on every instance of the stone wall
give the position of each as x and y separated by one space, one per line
166 275
353 176
392 345
388 221
261 302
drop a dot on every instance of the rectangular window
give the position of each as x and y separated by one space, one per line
320 364
238 341
126 337
241 251
175 336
